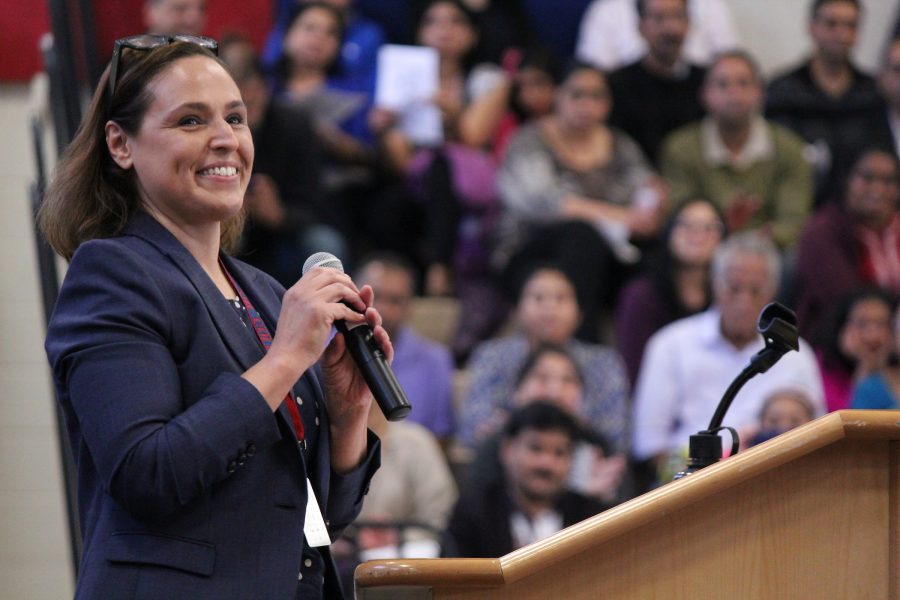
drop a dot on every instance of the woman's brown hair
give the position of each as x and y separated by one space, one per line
90 195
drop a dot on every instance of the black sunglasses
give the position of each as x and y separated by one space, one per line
145 43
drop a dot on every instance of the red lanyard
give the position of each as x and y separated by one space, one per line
265 338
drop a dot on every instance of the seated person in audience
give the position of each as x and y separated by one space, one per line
289 216
856 342
754 170
577 192
531 501
782 411
609 36
853 242
881 390
424 368
165 17
406 508
690 363
830 103
889 85
504 27
305 74
659 92
550 374
531 97
472 100
359 47
676 283
547 312
449 181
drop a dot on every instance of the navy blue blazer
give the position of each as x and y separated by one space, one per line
188 485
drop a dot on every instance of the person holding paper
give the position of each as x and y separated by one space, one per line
468 104
219 430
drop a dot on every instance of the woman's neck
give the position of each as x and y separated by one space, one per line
691 282
203 242
305 79
449 68
574 134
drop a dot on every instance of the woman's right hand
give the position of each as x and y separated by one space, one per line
309 310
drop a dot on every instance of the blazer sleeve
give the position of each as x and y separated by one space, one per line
110 346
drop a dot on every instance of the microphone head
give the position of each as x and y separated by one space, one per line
323 259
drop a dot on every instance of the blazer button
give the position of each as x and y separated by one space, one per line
232 466
251 449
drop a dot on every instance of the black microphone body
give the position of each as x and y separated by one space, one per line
368 355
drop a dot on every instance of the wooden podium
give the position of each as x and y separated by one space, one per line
813 513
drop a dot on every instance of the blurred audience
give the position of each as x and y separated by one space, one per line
424 368
658 92
676 283
689 364
531 501
853 242
550 374
609 37
857 342
450 183
575 192
833 105
548 312
185 17
754 170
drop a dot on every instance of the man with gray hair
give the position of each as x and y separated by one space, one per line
690 363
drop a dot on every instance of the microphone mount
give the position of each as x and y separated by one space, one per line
778 326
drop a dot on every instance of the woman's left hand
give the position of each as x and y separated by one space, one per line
346 393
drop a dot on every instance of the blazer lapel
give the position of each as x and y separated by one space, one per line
243 347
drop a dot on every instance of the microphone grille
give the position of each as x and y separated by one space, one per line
323 259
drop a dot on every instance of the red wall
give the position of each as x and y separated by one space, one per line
23 23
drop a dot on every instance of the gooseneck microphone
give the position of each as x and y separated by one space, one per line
367 353
778 326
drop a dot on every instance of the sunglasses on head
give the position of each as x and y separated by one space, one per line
146 43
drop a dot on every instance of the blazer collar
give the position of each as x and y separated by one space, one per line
243 347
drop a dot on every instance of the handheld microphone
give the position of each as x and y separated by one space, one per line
367 354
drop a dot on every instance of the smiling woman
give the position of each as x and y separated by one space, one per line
213 460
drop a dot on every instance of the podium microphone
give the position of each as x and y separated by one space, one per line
778 326
367 354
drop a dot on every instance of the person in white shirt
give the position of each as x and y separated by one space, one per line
609 37
690 363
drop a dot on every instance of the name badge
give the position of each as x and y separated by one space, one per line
314 527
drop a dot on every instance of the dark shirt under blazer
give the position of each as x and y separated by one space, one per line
189 487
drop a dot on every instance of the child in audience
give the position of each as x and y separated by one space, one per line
858 342
782 411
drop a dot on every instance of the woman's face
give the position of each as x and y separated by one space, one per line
866 335
548 308
696 234
553 377
447 29
872 189
193 153
583 100
313 40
